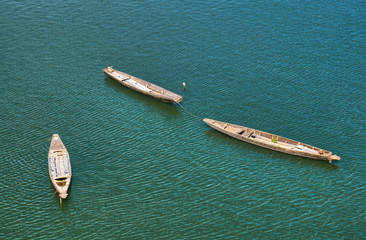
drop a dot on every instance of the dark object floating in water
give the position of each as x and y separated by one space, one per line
143 86
271 141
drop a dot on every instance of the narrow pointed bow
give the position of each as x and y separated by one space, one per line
208 121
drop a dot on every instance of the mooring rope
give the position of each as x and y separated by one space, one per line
53 194
188 111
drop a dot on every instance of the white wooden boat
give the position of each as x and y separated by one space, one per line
271 141
59 166
143 86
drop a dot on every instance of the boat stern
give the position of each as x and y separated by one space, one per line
178 99
63 195
334 157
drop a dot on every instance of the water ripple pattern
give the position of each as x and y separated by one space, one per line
143 169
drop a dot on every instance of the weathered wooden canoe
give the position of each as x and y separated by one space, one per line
271 141
59 166
143 86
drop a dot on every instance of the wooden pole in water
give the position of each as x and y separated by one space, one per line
184 86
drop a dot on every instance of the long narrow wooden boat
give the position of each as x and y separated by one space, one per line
271 141
59 166
143 86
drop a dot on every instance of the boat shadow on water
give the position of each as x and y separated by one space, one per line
247 147
167 108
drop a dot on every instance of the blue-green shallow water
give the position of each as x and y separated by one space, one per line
147 170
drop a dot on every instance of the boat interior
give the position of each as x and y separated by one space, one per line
271 138
61 181
139 83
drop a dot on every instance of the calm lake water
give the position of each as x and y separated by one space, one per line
143 169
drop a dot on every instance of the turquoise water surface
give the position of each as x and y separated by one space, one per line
143 169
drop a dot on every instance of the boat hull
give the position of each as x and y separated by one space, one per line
59 166
271 141
143 86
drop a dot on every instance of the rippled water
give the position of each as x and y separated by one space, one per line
146 170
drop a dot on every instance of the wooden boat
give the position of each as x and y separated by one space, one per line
271 141
143 86
59 166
